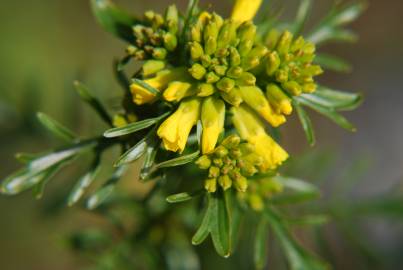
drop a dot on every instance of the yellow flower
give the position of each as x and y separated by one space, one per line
251 128
255 98
159 82
175 130
245 10
212 117
178 90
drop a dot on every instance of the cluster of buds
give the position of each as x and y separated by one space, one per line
230 164
259 190
156 36
223 53
289 63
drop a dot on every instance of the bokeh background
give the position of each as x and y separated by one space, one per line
47 44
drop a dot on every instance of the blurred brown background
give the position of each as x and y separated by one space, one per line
47 44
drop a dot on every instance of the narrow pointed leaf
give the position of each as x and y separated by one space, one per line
220 226
64 155
103 193
20 181
56 128
306 124
83 183
204 228
332 63
133 127
261 242
133 153
296 190
39 188
149 159
328 112
334 99
86 96
302 15
298 258
113 19
182 160
183 196
347 13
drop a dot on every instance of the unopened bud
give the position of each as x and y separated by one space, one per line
205 89
226 84
170 41
221 151
159 53
211 77
225 182
256 202
210 185
272 63
233 97
152 66
214 172
231 141
292 87
241 184
197 71
203 162
234 72
246 79
196 50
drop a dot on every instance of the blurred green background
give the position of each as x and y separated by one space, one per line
47 44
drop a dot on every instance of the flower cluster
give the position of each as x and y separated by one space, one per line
230 163
156 36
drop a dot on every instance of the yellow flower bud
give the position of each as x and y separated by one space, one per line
203 162
292 87
212 118
174 131
196 50
251 128
255 98
241 183
205 89
225 182
152 66
197 71
245 10
178 90
280 101
273 63
159 82
210 185
256 202
233 97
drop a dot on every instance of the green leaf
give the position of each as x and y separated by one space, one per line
347 13
328 112
204 228
302 14
106 190
86 96
26 157
261 241
39 188
183 196
306 123
220 225
61 156
334 99
145 85
149 159
56 128
182 160
309 220
298 258
296 191
20 181
113 19
133 153
331 62
85 181
134 127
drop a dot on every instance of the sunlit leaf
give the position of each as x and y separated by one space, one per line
39 188
113 19
334 99
83 183
332 62
295 191
328 112
133 153
298 258
134 127
306 123
182 160
56 128
303 12
103 193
